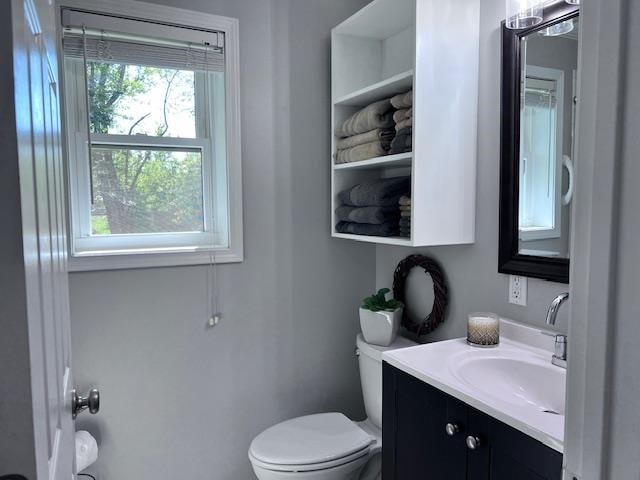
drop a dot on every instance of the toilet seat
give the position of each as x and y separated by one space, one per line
311 467
310 443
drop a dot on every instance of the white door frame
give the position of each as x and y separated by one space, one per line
593 258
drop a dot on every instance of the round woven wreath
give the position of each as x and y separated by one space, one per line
440 292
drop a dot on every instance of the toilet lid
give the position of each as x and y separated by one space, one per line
310 439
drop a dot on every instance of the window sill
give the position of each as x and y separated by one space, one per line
94 262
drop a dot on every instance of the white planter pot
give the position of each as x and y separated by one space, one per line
380 328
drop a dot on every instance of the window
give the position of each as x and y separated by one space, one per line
153 140
541 154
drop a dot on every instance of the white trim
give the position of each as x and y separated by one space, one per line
539 233
147 141
593 259
146 260
233 215
157 13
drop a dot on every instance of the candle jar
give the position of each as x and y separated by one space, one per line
483 329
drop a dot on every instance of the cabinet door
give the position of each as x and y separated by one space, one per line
415 443
506 454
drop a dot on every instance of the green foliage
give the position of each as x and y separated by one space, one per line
141 190
378 302
108 82
100 225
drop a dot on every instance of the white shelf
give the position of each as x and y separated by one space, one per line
390 47
399 83
403 241
388 161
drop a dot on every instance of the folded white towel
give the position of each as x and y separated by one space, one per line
403 100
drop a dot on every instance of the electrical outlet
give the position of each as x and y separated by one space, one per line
518 290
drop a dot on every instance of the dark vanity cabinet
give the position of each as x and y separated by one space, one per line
425 435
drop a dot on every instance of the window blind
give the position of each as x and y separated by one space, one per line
540 99
109 39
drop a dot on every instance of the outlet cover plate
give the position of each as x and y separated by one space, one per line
518 290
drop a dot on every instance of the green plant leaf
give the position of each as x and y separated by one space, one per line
378 302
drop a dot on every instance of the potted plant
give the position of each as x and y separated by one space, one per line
380 318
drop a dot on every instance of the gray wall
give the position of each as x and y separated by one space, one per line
472 270
182 401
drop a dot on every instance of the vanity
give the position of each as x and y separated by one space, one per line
452 411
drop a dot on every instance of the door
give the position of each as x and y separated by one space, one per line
43 446
417 443
503 453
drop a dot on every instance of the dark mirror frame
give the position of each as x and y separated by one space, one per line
509 260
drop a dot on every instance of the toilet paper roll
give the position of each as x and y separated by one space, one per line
86 450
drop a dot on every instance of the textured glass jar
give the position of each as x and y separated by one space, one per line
483 329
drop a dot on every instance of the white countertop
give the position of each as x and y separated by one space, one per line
443 365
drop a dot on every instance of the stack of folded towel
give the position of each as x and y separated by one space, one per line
405 216
372 208
403 118
366 134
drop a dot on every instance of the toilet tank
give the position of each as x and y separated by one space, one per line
370 363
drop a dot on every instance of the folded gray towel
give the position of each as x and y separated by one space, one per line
373 215
404 200
405 208
379 134
403 141
388 229
401 115
381 193
376 115
405 222
363 152
403 100
405 214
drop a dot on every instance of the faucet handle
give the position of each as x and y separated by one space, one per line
559 358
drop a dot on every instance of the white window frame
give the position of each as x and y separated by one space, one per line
540 233
181 248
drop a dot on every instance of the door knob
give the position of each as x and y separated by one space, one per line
80 403
452 429
473 442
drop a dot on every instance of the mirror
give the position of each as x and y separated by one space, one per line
539 95
547 120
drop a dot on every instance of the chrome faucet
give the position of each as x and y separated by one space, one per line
560 349
552 313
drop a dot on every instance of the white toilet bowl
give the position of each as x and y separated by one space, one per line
329 446
326 446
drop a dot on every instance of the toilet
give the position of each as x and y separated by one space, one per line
329 446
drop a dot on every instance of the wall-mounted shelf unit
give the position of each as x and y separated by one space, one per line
375 55
385 88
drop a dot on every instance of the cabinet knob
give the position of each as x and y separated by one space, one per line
473 442
452 429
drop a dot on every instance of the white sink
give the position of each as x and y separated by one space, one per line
520 382
515 382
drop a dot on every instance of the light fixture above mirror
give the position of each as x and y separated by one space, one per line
524 13
528 13
558 29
